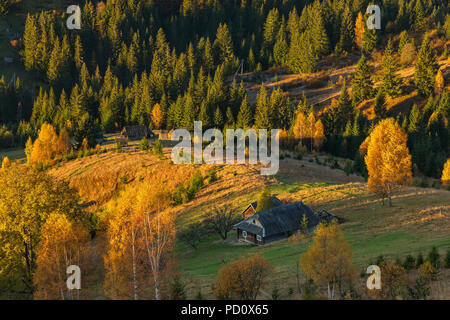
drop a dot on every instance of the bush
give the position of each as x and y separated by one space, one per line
157 148
348 169
212 177
144 145
409 263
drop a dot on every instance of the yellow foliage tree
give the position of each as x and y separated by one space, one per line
26 200
63 244
388 159
157 116
439 83
125 277
300 127
44 148
63 143
319 135
48 145
6 163
446 174
359 30
141 238
329 260
242 279
29 149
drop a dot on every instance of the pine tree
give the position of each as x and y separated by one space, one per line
391 82
281 48
245 116
204 116
414 120
347 31
262 120
403 41
419 17
380 105
78 53
361 83
218 118
31 40
319 37
224 45
271 27
426 67
369 40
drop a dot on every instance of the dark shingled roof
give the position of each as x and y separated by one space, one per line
281 219
276 203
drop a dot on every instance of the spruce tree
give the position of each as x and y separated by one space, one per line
426 67
391 82
245 116
380 105
218 118
361 83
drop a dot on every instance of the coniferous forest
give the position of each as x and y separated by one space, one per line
164 64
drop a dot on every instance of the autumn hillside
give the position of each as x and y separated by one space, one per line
419 219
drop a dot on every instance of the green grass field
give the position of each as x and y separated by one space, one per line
371 229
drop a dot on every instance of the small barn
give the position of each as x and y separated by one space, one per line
275 224
135 132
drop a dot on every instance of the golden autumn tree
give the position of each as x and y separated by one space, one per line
126 276
26 201
446 174
141 237
311 128
44 148
439 83
63 143
300 126
159 233
329 260
388 159
319 135
242 279
157 116
63 243
29 149
6 163
359 30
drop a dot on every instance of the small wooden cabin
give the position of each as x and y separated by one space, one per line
275 224
135 132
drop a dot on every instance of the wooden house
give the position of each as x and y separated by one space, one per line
135 132
275 224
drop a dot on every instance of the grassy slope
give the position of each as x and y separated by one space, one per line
419 219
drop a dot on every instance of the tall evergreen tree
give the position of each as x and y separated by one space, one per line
426 67
361 83
391 82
